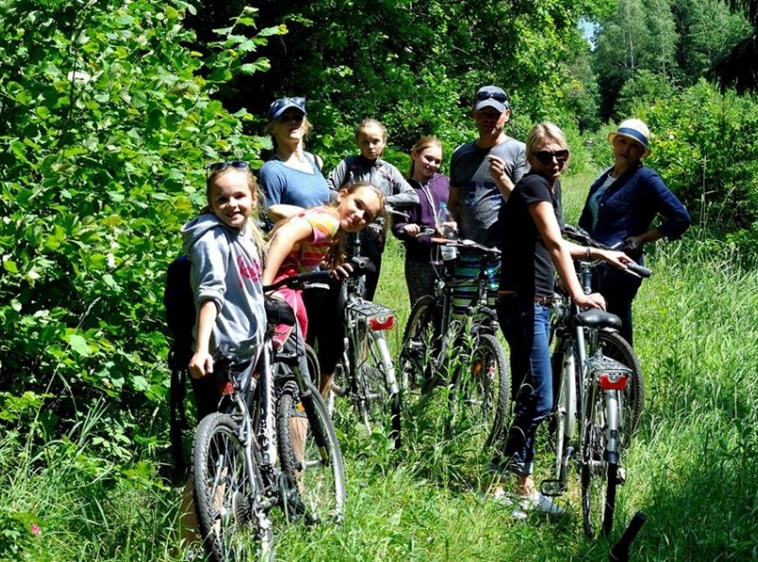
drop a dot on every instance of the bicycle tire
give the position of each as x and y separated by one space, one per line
318 469
374 397
564 412
314 367
421 333
616 347
483 389
598 476
226 491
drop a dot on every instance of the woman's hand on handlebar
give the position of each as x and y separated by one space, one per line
616 258
412 229
342 271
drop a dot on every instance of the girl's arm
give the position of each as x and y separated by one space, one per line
201 362
285 237
543 216
282 211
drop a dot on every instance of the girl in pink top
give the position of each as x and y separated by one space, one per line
315 238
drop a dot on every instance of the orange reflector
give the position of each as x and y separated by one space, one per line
380 323
612 381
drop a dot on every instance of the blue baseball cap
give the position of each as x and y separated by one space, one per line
491 96
283 104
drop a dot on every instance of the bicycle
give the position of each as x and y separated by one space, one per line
595 392
432 337
366 373
237 482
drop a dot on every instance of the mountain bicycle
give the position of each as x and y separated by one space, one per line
237 478
365 372
436 344
599 391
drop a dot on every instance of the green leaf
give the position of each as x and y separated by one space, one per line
79 345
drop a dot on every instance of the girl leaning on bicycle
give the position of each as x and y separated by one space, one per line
315 237
533 249
226 251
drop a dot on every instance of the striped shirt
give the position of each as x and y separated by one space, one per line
307 255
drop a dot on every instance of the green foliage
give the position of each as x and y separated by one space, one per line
105 125
416 66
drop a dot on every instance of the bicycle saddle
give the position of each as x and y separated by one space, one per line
596 318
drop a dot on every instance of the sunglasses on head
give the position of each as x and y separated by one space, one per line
221 166
497 96
546 157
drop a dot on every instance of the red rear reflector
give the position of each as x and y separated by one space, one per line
226 389
380 323
612 381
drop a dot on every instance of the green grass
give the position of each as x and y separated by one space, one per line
691 467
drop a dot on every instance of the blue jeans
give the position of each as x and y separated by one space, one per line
526 326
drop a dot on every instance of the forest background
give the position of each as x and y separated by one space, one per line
109 111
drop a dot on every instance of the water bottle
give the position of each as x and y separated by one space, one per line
444 218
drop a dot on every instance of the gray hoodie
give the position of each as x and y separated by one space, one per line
226 268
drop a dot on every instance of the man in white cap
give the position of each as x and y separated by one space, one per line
482 175
621 207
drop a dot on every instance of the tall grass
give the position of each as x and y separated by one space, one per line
691 467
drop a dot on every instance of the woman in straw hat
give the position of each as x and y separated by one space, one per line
621 207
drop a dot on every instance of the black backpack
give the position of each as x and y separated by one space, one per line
179 302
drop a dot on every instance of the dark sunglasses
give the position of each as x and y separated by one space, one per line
546 157
497 96
221 166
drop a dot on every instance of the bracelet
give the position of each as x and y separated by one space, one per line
589 255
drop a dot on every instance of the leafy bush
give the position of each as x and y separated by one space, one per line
105 125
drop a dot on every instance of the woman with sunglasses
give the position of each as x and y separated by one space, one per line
291 176
620 209
291 181
533 250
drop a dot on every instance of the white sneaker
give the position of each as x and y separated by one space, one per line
500 497
537 502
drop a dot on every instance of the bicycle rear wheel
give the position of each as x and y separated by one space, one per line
232 522
310 452
615 347
599 476
482 392
420 341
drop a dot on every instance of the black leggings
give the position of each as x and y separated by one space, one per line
325 331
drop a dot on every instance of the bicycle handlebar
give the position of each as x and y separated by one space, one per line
299 281
580 235
458 243
361 265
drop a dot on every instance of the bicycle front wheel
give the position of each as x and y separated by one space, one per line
232 522
375 398
599 476
482 391
310 452
615 347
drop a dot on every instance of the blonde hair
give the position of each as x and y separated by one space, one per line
255 232
542 131
307 128
422 144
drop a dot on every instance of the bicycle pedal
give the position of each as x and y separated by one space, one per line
552 488
620 476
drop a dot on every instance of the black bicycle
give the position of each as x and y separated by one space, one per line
271 444
462 352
